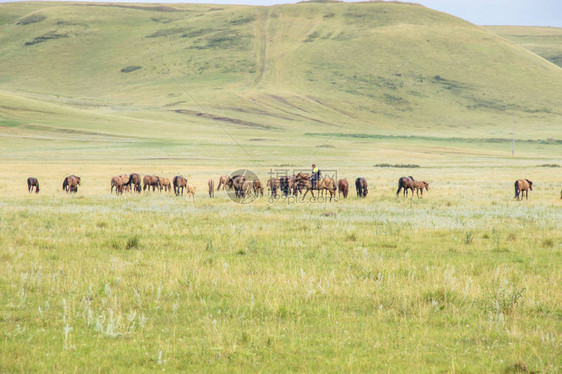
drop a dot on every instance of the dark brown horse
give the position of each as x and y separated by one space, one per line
179 183
405 184
150 181
343 188
523 186
419 186
237 182
361 187
272 186
71 183
135 181
32 182
211 185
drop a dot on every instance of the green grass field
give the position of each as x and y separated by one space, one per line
464 280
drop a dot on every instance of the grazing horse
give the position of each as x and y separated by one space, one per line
258 187
247 188
165 185
272 186
179 183
32 182
419 186
285 185
190 191
343 187
211 185
222 182
406 183
150 181
361 187
303 181
135 181
71 183
237 182
523 186
118 182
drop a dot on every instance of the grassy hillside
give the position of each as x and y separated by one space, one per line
155 73
543 41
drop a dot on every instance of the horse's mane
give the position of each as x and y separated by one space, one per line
528 181
412 178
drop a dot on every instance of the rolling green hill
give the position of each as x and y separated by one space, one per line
544 41
125 74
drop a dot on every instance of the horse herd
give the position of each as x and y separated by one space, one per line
243 187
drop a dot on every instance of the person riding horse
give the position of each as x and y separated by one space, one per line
315 176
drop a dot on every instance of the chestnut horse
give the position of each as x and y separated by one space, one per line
303 181
406 183
32 182
211 185
150 181
343 187
258 187
118 182
165 185
222 182
523 186
419 186
71 184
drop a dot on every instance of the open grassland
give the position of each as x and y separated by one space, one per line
464 280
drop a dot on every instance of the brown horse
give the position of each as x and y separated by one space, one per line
343 188
237 182
190 191
135 181
419 186
247 188
71 183
361 187
272 186
222 182
150 181
303 181
118 182
32 182
179 183
523 186
258 187
211 185
405 183
165 185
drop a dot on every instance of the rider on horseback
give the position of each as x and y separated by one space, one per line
315 176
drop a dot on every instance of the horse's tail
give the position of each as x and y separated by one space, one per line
64 184
516 189
359 187
399 187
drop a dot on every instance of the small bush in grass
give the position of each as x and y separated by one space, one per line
469 238
132 242
131 68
